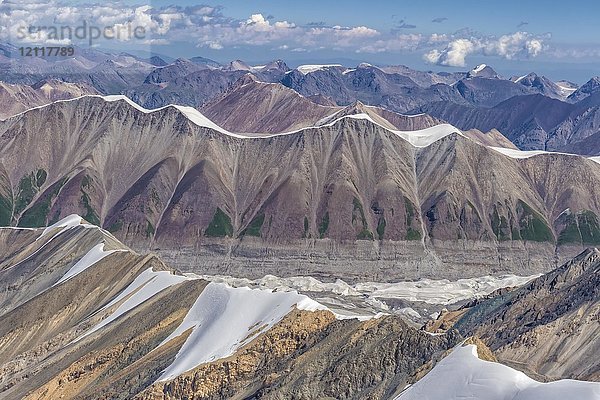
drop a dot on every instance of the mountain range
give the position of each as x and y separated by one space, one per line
182 228
532 111
405 198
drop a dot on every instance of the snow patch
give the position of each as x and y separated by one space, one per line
96 254
519 79
68 222
462 375
191 113
428 136
479 68
223 319
145 286
520 154
307 69
595 159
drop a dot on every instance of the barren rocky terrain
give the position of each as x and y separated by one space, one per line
332 198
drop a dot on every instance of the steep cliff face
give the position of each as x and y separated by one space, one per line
550 326
82 316
190 184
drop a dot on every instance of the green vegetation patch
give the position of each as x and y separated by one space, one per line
90 214
358 211
570 233
532 225
37 215
324 225
29 186
149 229
500 225
255 225
589 227
6 209
411 232
306 226
116 226
581 228
220 226
381 227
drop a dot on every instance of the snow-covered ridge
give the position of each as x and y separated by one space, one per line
96 254
68 222
522 154
224 319
514 153
462 375
144 287
307 69
419 138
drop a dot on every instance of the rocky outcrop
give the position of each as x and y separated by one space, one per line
550 326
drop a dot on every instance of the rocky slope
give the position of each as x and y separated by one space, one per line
532 122
18 98
251 106
82 316
348 190
550 326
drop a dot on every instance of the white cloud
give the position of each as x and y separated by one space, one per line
215 46
511 46
396 43
207 27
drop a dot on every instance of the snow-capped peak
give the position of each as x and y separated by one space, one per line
479 68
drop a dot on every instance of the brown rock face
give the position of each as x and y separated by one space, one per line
308 355
251 106
550 326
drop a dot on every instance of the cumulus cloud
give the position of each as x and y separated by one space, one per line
208 27
510 46
396 43
205 26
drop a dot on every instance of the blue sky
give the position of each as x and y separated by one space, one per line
561 40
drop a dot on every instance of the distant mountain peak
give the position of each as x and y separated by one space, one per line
482 71
590 87
157 61
239 65
278 65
